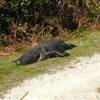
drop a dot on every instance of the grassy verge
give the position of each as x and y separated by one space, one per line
11 74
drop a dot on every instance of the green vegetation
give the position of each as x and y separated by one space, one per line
21 19
11 74
98 90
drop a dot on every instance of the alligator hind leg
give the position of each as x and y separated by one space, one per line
43 54
42 57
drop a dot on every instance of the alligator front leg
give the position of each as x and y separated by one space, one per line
57 53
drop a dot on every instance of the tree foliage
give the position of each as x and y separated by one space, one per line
20 19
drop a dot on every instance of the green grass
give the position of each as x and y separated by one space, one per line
98 90
11 74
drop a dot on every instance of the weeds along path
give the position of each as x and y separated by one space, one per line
80 82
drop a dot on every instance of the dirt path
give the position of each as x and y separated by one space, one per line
78 83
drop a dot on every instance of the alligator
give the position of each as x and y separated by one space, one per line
44 50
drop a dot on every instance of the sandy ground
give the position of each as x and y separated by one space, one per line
78 83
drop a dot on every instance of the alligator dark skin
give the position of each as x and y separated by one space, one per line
44 50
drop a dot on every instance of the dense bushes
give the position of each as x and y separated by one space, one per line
20 19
